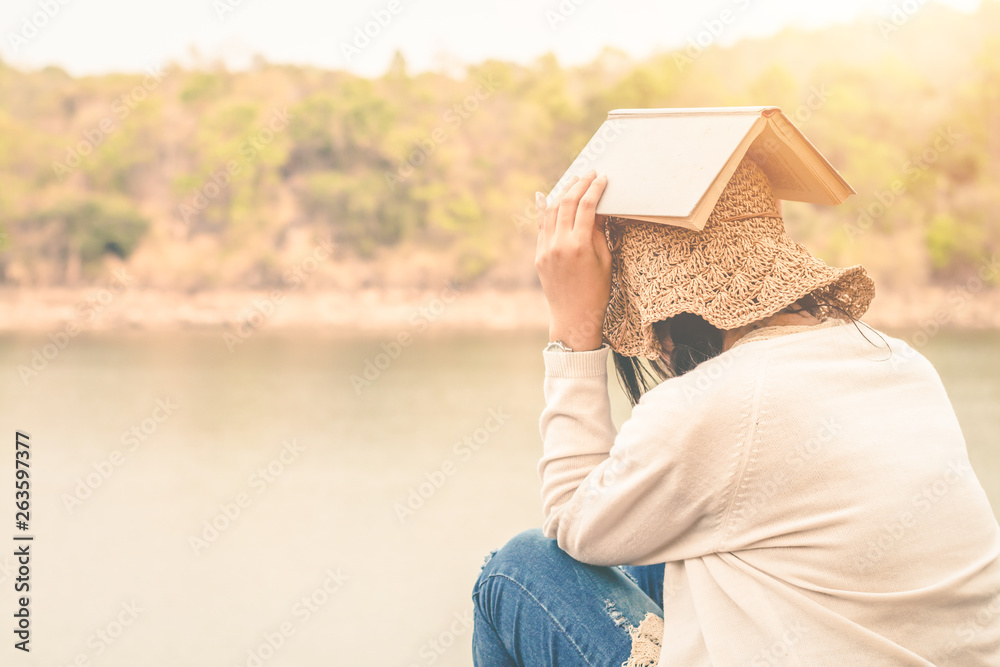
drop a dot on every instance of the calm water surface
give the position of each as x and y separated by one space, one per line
350 519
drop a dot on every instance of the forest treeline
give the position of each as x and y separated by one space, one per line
206 178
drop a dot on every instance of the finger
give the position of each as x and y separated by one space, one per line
549 226
552 212
586 211
570 201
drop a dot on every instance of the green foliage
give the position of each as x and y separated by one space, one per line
426 161
356 208
203 86
951 243
97 226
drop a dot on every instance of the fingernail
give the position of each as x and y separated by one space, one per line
602 177
540 200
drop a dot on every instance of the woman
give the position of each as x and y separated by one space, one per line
790 493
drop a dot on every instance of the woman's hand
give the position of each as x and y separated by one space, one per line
574 263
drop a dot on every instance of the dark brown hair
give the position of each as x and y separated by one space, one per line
695 340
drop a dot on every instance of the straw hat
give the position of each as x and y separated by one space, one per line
742 267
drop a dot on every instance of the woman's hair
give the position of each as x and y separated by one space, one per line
694 340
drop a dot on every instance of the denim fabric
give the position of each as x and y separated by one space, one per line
536 606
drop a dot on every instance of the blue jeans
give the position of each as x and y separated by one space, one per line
536 606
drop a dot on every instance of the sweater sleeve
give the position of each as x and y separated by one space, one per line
657 491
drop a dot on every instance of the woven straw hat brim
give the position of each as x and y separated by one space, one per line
731 273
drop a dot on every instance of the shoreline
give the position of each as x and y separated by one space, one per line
393 311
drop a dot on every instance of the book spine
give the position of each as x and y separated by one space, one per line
658 113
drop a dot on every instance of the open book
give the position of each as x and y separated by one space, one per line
671 165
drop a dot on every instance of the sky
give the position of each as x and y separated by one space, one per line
100 36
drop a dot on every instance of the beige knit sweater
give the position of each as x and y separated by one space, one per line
810 494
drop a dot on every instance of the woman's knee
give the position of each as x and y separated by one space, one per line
526 549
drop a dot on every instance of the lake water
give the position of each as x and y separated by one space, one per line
324 548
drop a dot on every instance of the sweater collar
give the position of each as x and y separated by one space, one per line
765 333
